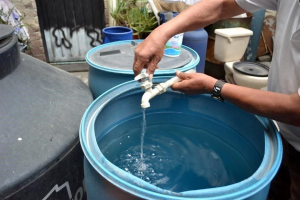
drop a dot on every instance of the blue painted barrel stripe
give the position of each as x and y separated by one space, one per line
235 191
190 65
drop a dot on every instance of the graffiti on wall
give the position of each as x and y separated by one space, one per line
70 27
62 40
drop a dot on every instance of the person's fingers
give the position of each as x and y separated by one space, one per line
151 68
138 66
182 75
150 77
134 64
140 60
181 86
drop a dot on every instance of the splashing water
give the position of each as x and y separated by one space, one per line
142 165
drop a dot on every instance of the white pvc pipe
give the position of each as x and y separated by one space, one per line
159 89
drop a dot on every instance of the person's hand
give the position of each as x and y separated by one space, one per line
149 53
194 83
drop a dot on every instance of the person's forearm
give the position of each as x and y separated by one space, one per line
280 107
200 15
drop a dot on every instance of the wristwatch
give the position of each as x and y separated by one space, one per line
217 90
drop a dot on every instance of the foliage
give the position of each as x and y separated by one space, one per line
18 25
4 17
134 15
120 12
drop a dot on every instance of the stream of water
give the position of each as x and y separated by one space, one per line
142 165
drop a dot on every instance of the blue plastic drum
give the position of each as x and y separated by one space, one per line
111 64
197 40
224 136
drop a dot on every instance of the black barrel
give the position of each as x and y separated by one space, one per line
41 108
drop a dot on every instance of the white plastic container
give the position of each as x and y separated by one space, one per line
231 43
173 46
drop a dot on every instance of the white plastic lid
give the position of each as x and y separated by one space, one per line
233 32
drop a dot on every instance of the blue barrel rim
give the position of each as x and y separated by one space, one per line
225 192
105 30
195 60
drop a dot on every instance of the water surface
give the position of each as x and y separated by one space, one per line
179 156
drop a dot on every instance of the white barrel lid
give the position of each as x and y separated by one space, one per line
233 32
120 56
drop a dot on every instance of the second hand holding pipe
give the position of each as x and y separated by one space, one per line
150 92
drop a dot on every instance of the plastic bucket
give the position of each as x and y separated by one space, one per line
104 74
104 180
116 33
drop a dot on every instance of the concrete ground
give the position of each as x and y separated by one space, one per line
81 75
78 69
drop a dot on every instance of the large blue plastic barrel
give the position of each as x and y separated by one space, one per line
197 40
116 33
114 66
231 125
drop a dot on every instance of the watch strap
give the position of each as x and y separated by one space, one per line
217 90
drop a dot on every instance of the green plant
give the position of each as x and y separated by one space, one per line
4 17
120 11
140 20
134 15
18 25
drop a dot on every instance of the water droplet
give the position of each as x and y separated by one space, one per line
126 169
129 155
148 179
214 155
128 136
160 160
152 171
153 154
142 166
120 143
